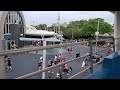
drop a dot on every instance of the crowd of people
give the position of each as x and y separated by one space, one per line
68 69
61 70
64 69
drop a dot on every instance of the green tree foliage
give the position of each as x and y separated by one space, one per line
90 27
41 27
81 28
86 28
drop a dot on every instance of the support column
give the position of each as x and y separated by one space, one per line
2 63
2 68
44 60
117 30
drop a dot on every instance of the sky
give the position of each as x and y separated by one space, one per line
50 17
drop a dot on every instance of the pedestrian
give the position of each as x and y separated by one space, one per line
70 70
60 58
61 69
59 76
86 62
109 52
13 46
40 63
97 59
50 63
55 59
83 65
77 55
100 57
65 68
68 51
6 58
9 64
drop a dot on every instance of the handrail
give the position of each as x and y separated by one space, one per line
24 50
93 64
79 73
84 70
49 68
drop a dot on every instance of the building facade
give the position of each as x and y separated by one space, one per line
12 26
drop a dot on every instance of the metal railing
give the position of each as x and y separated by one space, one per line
49 68
17 51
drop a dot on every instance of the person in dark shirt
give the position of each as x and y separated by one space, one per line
77 55
9 64
50 63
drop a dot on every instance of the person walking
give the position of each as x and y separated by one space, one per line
9 64
50 63
70 71
83 65
40 63
55 59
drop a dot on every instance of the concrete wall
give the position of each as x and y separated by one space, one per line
117 29
3 15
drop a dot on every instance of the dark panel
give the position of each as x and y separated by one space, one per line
15 33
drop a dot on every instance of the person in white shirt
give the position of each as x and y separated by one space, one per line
40 63
83 65
55 59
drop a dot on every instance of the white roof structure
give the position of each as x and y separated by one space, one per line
30 30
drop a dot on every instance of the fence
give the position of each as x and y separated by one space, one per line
26 50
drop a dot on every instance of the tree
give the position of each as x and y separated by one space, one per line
86 28
41 27
90 27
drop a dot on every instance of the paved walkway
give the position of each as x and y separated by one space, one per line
27 63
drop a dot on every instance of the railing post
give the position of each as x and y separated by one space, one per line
91 61
44 59
113 44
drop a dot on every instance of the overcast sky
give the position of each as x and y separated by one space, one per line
50 17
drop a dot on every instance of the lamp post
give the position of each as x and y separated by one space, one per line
97 33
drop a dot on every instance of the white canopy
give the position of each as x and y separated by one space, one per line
30 30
